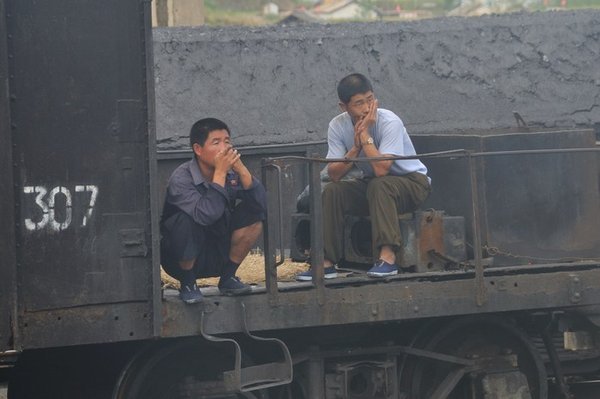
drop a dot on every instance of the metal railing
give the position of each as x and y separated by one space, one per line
316 212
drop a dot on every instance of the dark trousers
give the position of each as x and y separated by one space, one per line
381 198
183 239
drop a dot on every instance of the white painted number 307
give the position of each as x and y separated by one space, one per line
46 199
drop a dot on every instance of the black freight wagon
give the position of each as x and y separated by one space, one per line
82 312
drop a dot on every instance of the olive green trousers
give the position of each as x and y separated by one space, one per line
381 198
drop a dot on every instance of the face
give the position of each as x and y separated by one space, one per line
217 141
359 105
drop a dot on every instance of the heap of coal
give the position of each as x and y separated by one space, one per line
277 84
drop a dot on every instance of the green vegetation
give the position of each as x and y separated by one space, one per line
221 17
253 5
246 12
249 12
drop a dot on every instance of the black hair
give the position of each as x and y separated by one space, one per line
351 85
200 130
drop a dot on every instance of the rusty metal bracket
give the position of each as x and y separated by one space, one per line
480 292
574 288
266 375
451 263
271 261
316 231
277 371
232 380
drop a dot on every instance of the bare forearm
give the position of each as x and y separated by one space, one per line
219 177
245 177
337 170
380 168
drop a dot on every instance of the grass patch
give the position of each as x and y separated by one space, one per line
223 17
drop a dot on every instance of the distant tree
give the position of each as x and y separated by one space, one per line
367 6
450 4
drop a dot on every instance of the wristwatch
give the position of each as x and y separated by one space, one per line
369 141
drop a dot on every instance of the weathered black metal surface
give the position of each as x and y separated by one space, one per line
422 232
300 237
544 205
81 136
87 324
406 297
568 223
7 209
452 184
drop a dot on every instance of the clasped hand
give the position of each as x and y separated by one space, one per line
361 128
227 159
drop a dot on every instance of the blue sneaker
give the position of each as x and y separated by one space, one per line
330 272
233 286
190 294
382 269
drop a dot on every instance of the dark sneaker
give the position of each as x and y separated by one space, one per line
382 269
233 286
190 294
330 272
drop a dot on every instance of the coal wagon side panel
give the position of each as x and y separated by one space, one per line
537 207
544 206
7 230
80 109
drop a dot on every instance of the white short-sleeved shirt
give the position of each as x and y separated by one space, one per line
390 138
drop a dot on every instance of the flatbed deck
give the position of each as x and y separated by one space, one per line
408 296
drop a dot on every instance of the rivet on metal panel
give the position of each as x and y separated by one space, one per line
502 285
374 310
416 309
126 163
13 98
575 288
408 293
133 243
13 125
